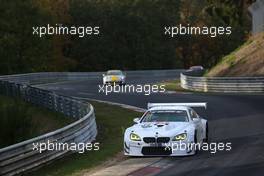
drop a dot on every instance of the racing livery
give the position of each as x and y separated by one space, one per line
162 127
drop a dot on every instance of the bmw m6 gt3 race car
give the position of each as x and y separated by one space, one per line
165 126
114 76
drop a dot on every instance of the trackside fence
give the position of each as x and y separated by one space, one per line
21 157
222 84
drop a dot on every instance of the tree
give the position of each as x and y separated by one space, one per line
131 34
21 51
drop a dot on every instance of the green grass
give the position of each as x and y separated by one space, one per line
111 121
20 121
229 60
174 85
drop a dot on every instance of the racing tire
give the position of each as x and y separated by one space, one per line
195 142
206 139
122 84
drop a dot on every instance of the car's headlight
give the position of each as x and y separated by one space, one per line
134 137
180 137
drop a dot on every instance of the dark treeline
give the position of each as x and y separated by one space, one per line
131 34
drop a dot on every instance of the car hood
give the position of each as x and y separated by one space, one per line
161 128
111 76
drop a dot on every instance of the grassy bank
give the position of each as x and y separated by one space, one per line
20 121
246 60
111 121
174 85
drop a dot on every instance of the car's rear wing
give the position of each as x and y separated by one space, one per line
193 105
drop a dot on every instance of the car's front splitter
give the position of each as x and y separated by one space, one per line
144 149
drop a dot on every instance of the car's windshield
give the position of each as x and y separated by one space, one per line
114 72
166 116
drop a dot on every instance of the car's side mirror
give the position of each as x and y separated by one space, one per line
136 120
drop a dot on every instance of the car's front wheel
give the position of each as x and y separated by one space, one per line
206 133
195 143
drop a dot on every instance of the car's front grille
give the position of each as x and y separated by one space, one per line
163 139
156 151
149 139
156 140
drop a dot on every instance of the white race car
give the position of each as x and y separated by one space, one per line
114 77
164 129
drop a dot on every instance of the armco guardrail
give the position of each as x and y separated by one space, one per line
21 157
47 77
222 84
43 77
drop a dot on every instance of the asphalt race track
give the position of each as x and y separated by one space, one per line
238 119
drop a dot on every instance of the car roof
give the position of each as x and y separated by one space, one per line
164 108
114 71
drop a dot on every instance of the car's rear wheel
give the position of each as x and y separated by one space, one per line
206 139
195 143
